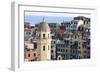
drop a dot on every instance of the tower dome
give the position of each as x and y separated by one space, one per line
44 27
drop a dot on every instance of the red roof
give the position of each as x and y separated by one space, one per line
62 29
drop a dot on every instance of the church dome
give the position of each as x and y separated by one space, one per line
44 26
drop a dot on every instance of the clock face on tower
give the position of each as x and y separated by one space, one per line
56 36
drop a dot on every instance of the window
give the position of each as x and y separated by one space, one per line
28 55
75 36
84 22
88 48
79 52
51 46
48 47
48 35
79 47
28 49
85 51
35 45
51 56
28 33
34 54
51 51
43 35
31 40
39 35
54 42
66 50
43 48
59 58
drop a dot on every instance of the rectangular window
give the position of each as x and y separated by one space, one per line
39 35
48 35
48 47
35 45
66 50
51 46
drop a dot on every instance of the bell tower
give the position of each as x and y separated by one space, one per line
44 41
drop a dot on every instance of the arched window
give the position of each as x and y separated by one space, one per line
59 58
43 48
43 35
